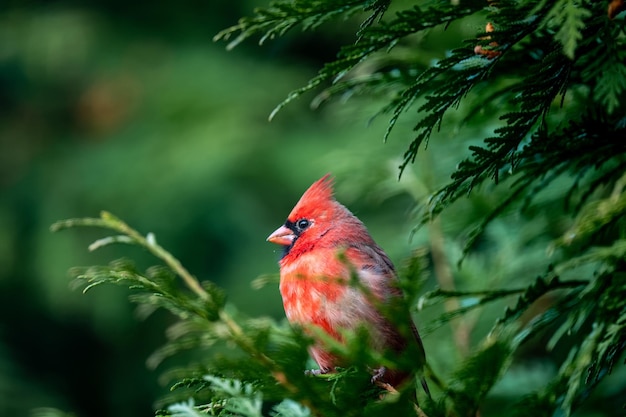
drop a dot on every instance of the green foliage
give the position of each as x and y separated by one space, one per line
539 65
550 77
280 17
534 62
476 377
567 18
238 400
274 357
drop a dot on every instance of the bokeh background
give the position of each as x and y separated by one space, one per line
131 107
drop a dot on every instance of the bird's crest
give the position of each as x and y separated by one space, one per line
316 198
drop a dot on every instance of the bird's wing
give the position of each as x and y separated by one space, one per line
378 273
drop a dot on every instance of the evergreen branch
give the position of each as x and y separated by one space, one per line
603 67
158 289
576 367
593 358
476 299
576 149
606 177
550 77
595 255
447 83
446 92
185 409
384 37
433 297
360 81
478 375
596 215
598 301
540 287
502 151
561 156
241 398
289 408
612 84
281 16
478 231
580 147
567 17
108 221
121 272
206 321
185 335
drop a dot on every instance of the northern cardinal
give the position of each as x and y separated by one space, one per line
325 246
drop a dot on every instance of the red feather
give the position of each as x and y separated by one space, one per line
325 245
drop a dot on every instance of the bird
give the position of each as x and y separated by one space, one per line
326 249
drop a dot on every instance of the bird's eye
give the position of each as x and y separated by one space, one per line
303 224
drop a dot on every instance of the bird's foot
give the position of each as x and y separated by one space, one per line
377 379
316 372
378 374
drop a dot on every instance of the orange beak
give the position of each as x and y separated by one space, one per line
282 236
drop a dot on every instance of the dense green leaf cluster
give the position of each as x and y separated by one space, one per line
553 74
267 362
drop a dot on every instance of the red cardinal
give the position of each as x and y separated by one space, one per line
325 246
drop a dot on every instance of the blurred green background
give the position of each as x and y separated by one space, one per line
131 108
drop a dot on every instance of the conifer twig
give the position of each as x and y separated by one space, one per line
132 236
109 221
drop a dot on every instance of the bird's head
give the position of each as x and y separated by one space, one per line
312 217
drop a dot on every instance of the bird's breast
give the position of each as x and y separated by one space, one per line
312 301
318 293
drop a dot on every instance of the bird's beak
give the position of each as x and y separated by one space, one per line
282 236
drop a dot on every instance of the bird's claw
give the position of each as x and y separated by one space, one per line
316 372
377 379
379 373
